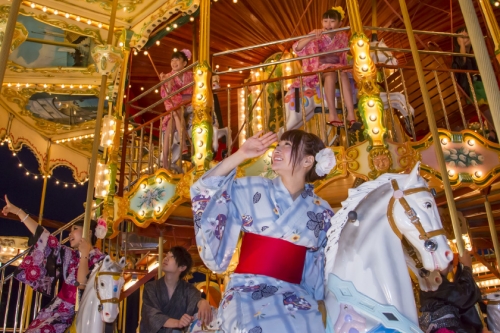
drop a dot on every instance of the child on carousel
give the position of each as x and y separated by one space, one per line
47 260
319 43
179 62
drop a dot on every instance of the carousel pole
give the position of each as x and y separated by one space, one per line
7 37
202 96
491 224
97 131
160 253
433 128
492 24
370 105
482 59
374 20
45 179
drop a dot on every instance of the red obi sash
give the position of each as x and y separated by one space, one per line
272 257
68 293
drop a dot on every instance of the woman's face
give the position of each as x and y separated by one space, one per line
75 236
282 156
177 64
330 23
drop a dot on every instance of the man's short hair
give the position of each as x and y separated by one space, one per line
182 258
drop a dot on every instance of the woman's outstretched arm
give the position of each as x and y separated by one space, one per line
23 216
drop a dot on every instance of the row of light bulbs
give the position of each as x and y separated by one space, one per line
489 283
68 15
80 137
45 85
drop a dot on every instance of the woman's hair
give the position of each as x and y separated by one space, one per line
332 14
180 55
93 225
304 144
182 258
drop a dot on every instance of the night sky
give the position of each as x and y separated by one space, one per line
61 204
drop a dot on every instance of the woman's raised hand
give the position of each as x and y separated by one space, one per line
318 33
257 144
463 40
9 208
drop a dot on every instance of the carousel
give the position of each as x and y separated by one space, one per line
89 84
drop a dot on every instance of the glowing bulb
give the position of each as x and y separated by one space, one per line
121 44
168 28
36 177
478 174
33 5
9 85
175 49
71 86
199 130
362 56
104 192
364 68
67 15
371 103
56 12
99 25
199 72
175 25
199 96
158 42
142 88
471 142
158 209
497 3
81 86
27 173
135 52
145 52
444 141
89 86
191 19
200 143
375 130
373 117
200 85
451 172
44 9
156 91
142 212
78 18
109 142
159 180
143 186
361 43
199 156
62 85
106 182
89 22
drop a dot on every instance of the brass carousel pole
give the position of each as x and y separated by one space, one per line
7 37
492 25
45 179
482 59
491 224
97 131
202 96
433 128
370 105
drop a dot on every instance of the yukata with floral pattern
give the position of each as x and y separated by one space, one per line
224 206
311 83
176 83
41 268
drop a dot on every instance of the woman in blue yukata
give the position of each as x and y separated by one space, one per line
279 278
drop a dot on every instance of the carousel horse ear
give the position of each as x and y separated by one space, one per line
122 262
414 176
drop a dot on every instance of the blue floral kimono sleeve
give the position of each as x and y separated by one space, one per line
217 221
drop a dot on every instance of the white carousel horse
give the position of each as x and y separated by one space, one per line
100 300
493 308
312 100
197 327
365 267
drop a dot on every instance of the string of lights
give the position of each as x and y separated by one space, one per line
37 175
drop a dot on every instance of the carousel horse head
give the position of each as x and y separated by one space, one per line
382 57
413 215
108 283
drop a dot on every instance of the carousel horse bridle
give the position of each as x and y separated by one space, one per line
429 244
114 300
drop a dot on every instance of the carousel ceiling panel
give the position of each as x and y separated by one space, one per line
20 135
250 22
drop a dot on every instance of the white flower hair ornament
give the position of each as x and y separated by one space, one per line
325 161
101 229
187 53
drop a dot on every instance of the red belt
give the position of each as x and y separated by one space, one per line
272 257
